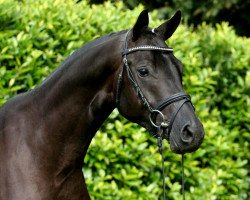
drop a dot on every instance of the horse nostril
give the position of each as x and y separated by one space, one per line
187 135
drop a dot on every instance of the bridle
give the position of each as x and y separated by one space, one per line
180 97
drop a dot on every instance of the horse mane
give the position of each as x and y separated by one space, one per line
102 39
78 54
93 43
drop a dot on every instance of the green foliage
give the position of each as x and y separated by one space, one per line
123 162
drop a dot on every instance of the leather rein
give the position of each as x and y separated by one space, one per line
164 125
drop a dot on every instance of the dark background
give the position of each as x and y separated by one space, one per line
235 12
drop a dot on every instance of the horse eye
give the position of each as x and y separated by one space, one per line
143 71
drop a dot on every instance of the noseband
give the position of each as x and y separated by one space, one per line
180 97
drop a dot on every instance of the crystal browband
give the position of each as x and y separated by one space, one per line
146 48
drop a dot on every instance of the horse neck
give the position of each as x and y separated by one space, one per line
79 96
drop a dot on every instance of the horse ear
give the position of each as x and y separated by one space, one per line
167 29
140 25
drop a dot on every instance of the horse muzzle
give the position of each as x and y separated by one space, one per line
187 140
183 129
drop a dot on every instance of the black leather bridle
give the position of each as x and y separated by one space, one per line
181 97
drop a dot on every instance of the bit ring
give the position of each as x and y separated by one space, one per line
163 123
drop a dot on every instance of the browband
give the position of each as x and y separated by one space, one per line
145 48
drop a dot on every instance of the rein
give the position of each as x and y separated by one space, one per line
164 125
160 149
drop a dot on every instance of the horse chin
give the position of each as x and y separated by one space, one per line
182 149
174 146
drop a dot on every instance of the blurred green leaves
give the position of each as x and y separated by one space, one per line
123 161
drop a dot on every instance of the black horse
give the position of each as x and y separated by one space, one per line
45 132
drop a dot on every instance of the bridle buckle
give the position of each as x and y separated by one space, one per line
164 125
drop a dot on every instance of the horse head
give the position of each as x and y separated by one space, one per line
150 91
